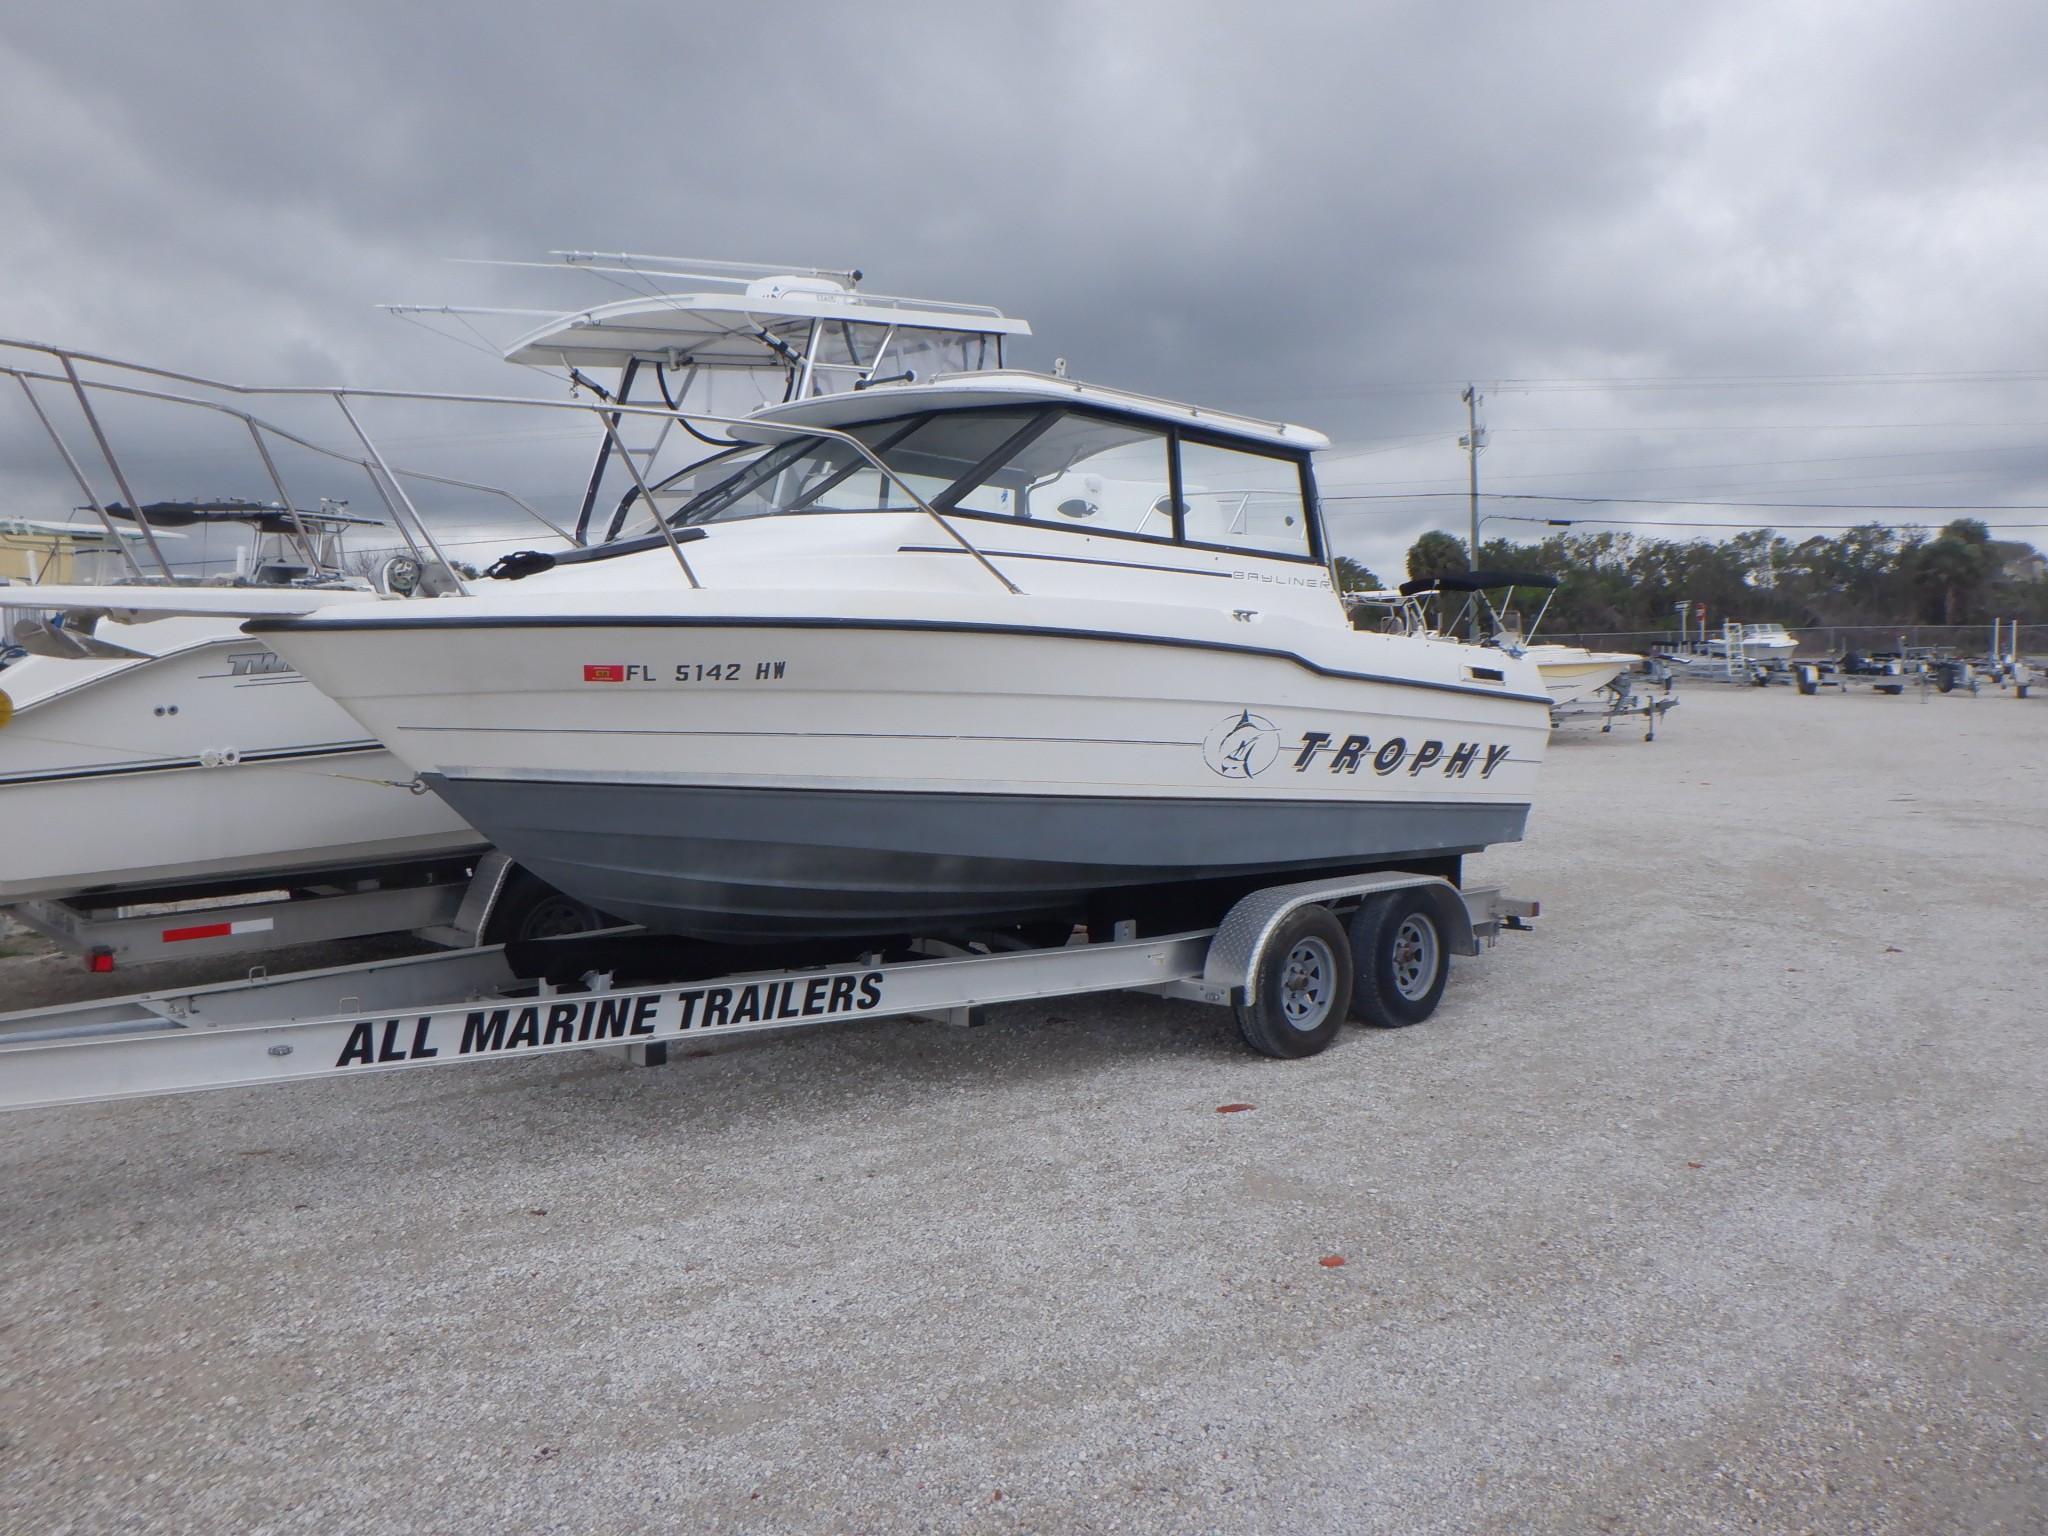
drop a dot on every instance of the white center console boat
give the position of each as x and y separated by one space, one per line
180 752
1768 644
1571 673
936 656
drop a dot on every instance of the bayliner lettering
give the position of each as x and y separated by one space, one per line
684 672
594 1020
1284 579
1454 760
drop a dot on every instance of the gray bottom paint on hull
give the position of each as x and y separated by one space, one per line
751 864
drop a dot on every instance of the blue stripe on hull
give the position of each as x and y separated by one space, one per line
754 864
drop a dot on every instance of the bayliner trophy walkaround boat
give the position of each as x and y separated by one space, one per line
935 656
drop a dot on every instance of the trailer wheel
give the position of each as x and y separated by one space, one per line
1399 959
1298 994
530 908
1809 679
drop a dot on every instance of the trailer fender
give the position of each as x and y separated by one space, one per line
1248 928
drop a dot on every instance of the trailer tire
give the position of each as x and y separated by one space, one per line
1809 679
1299 991
529 908
1399 959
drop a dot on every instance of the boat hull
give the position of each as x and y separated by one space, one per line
1571 673
209 763
744 865
920 767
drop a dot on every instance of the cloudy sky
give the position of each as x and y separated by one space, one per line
1711 254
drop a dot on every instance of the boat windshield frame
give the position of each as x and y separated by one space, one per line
882 433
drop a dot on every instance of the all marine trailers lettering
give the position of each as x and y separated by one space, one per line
377 1040
486 1031
767 1002
1453 760
595 1020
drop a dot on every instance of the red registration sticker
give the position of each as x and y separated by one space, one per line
603 672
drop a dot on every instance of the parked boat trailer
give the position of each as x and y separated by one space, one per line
1292 961
1932 668
1634 693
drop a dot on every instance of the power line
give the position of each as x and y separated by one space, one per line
1648 383
1702 501
1640 522
1791 426
1771 381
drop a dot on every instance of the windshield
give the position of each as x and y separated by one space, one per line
1051 465
680 490
853 354
1027 464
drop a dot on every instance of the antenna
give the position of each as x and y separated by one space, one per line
735 271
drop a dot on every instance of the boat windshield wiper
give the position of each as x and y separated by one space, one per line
854 463
707 504
996 458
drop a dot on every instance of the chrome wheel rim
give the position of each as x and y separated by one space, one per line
1415 957
1308 978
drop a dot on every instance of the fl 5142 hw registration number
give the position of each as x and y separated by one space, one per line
684 672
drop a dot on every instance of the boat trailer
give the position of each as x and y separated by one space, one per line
1931 668
1292 961
1638 692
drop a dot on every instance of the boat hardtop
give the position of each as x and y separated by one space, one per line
1016 387
775 321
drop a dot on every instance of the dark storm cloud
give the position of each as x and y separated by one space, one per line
1331 212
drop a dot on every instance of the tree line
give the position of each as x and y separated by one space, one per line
1865 575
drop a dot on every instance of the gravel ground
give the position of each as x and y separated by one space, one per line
1714 1205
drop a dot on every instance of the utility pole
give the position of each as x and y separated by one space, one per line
1473 440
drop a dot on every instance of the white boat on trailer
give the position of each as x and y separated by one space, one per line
1754 654
1769 645
1002 648
1571 673
166 756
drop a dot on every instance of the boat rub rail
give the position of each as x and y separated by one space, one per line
948 626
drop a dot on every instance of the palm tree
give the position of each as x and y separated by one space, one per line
1436 554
